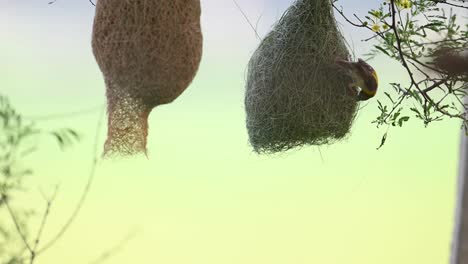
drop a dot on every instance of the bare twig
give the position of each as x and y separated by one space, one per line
85 191
246 18
435 85
340 11
72 114
43 222
53 1
450 4
117 248
442 41
15 221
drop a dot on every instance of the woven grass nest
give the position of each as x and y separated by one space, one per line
148 51
295 94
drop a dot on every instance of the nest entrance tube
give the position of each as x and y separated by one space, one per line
295 94
127 123
149 52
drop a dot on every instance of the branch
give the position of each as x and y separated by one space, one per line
53 1
347 19
64 115
381 35
4 198
406 60
117 248
410 73
85 191
246 18
435 85
42 225
450 4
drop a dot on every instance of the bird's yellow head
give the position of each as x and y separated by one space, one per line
366 70
365 77
370 81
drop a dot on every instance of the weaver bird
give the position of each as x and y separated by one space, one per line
364 77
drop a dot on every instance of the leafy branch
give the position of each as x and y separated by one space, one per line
17 140
410 32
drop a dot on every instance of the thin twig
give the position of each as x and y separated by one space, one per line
420 70
442 41
396 106
246 18
71 114
85 191
43 222
448 3
15 221
112 251
53 1
347 19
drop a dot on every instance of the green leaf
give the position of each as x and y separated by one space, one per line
402 120
375 13
418 114
382 50
389 97
382 141
59 139
73 133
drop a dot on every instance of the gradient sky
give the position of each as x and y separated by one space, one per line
203 197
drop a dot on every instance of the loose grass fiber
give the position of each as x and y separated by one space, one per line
295 94
149 52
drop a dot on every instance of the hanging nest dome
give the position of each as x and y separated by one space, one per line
149 52
295 94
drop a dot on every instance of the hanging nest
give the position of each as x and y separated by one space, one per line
296 95
452 61
149 52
